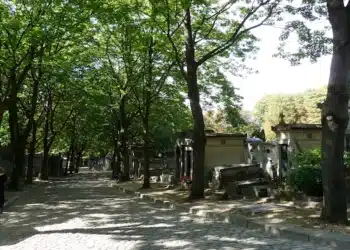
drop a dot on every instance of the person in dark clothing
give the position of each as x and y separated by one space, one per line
3 179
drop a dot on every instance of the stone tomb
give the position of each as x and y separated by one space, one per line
242 180
221 148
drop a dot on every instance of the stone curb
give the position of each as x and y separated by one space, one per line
13 199
338 240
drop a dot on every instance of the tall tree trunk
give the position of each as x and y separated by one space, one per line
126 162
123 135
15 144
177 165
78 164
118 163
31 155
335 117
67 162
44 173
31 125
114 156
146 174
72 161
199 141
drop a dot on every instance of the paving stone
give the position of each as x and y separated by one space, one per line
85 213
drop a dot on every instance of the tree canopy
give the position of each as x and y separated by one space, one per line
297 108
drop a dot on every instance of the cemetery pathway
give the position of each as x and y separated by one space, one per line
87 214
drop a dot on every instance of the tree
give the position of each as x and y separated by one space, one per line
297 108
313 44
157 67
208 32
335 116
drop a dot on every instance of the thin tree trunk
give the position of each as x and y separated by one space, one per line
67 162
123 136
146 174
199 141
78 163
177 165
114 156
31 155
126 162
44 173
72 161
15 146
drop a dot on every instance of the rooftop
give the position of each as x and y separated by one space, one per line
301 126
210 133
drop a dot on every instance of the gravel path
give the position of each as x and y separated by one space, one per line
87 214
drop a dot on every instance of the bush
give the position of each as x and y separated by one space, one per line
310 157
306 176
307 179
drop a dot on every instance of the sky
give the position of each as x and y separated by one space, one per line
277 75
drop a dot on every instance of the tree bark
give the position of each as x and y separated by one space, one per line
146 174
126 163
72 160
114 156
44 173
31 155
177 165
123 135
199 141
335 117
67 162
79 159
15 145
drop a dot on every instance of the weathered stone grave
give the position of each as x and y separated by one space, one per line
242 180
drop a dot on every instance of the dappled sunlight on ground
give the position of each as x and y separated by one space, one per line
87 214
304 214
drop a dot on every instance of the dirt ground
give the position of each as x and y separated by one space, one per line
305 215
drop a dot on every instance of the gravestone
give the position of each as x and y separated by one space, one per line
236 172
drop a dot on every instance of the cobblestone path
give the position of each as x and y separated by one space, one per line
87 214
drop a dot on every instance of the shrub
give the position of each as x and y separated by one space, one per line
307 179
310 157
306 176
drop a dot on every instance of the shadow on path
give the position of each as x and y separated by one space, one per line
90 215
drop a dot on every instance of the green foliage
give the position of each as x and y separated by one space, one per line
307 23
309 158
298 108
306 176
347 159
4 131
306 179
